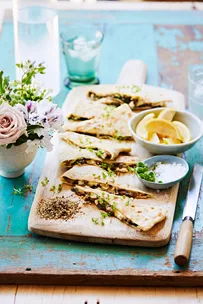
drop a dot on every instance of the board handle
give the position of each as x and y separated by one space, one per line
184 243
133 72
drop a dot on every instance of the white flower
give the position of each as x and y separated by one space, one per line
52 113
12 124
22 109
45 114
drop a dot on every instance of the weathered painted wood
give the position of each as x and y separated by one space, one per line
179 48
57 261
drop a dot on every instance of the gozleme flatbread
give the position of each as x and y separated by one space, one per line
135 97
70 155
104 179
114 125
86 110
127 210
103 148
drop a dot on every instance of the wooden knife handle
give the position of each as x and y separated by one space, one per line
184 243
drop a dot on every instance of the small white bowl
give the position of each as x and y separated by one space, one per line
168 159
193 123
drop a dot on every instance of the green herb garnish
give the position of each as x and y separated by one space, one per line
127 203
53 189
99 153
45 182
95 220
104 175
23 190
113 207
59 188
104 215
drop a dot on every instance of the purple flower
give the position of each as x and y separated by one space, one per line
31 106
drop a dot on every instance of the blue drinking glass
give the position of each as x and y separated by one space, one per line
81 47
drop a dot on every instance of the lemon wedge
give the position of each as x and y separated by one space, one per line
167 114
183 130
171 141
141 127
153 137
163 127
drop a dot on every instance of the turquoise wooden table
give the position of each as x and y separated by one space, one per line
168 42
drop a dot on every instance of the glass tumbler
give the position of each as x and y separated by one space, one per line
195 86
37 39
81 47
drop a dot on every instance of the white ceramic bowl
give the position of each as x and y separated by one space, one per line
190 120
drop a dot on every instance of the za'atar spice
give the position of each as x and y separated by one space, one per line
58 207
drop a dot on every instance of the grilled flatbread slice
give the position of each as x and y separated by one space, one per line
97 177
136 100
114 125
103 148
86 110
128 210
70 155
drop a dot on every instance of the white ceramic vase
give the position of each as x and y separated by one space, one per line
13 161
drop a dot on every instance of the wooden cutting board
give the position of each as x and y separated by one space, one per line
81 228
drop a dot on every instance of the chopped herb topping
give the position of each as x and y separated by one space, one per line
45 182
100 221
104 175
23 190
113 206
110 172
90 149
55 189
118 136
104 215
95 220
104 165
99 153
131 169
59 188
134 88
127 203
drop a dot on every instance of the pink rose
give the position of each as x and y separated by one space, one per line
12 124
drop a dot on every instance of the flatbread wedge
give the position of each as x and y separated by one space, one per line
103 148
114 125
97 177
70 155
136 100
127 210
86 110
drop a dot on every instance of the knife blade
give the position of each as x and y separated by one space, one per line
184 241
193 192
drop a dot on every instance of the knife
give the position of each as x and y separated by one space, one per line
184 241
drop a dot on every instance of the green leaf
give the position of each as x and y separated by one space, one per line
9 146
1 82
33 127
